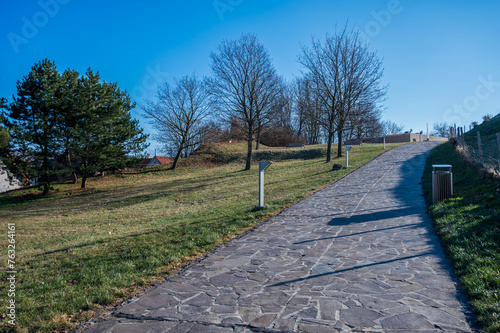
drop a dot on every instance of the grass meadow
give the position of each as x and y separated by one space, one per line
79 252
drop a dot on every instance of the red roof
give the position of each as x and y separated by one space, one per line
164 160
160 159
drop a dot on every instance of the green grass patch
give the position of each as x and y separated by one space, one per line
488 131
469 226
80 250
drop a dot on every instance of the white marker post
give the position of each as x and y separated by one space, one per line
384 142
347 156
262 167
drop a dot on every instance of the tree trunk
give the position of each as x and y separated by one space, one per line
329 147
249 151
177 156
68 160
46 188
339 145
84 181
45 173
258 140
84 177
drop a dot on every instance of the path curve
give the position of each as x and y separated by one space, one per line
358 255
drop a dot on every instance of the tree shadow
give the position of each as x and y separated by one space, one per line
99 241
413 225
407 195
349 269
373 217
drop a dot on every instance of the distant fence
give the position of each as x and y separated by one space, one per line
477 155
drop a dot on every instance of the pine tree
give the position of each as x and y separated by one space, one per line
105 133
4 131
69 111
67 124
34 117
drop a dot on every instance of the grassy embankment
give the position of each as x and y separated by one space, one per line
469 227
488 130
78 251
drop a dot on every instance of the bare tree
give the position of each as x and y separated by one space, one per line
441 129
390 127
308 111
178 114
284 106
214 132
364 121
244 85
281 127
345 74
361 90
323 74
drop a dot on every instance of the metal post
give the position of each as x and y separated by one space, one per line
384 141
347 156
480 146
262 167
261 189
498 142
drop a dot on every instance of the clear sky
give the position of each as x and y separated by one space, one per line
441 58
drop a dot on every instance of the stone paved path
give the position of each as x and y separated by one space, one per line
358 255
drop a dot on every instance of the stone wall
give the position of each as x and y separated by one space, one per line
412 137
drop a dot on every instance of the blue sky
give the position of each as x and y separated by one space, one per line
441 58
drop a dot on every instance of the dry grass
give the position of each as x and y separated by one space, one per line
79 250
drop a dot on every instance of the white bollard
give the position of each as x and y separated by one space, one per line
347 156
262 167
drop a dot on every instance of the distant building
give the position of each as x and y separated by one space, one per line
398 138
412 137
7 182
155 160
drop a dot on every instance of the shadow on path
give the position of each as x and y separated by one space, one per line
349 269
360 233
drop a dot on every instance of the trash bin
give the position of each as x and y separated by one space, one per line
442 182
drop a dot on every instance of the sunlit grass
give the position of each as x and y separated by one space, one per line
79 250
469 225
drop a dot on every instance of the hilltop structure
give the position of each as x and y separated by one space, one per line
398 138
155 160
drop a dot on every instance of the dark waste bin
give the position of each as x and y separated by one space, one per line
442 182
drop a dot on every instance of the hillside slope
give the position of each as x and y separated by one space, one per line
488 130
79 250
469 227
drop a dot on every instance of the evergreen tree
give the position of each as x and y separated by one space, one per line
67 124
69 111
105 133
34 117
4 131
